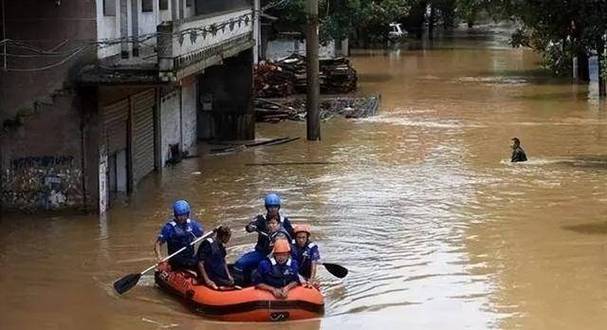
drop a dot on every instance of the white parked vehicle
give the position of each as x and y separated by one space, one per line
396 31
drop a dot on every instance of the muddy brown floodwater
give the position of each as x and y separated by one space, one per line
438 229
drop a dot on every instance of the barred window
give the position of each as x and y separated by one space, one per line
147 6
163 4
109 7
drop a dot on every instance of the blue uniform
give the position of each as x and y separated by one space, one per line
177 236
272 273
213 254
249 261
305 256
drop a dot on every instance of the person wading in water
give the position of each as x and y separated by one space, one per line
518 154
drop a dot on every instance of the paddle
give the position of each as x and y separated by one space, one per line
126 283
336 270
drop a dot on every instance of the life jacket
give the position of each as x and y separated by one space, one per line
281 275
215 263
304 258
183 236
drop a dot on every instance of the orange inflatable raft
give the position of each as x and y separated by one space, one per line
246 305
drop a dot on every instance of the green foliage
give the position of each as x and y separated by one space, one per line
557 58
339 18
468 10
576 26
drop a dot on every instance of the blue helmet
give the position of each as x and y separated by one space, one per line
272 200
181 207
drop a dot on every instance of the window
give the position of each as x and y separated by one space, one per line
163 4
147 6
188 3
109 7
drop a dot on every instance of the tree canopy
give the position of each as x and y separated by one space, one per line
560 29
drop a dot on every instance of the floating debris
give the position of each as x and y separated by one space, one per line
276 110
246 146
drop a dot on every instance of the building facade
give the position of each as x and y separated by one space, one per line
96 95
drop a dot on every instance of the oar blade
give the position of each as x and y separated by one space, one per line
337 270
126 283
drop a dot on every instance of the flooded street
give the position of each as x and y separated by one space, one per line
438 229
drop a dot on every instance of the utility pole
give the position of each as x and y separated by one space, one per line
313 95
4 41
602 63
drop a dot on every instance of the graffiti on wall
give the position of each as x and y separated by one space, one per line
43 161
44 182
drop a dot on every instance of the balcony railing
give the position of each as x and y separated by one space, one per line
184 46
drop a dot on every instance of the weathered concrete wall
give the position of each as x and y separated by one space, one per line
170 122
188 95
42 159
148 20
108 27
44 25
42 144
178 125
92 129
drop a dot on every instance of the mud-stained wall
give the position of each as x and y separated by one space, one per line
41 165
170 121
189 89
56 27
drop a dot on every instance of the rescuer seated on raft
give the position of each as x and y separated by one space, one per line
249 261
305 252
212 266
278 273
178 233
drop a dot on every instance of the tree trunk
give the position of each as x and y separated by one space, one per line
602 77
313 87
431 22
471 18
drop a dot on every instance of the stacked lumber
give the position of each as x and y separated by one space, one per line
287 76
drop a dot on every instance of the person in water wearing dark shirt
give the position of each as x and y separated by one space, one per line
518 154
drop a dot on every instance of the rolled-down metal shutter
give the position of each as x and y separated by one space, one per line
143 133
115 119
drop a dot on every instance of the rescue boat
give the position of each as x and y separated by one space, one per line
246 305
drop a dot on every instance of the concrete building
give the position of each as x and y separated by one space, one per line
96 95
